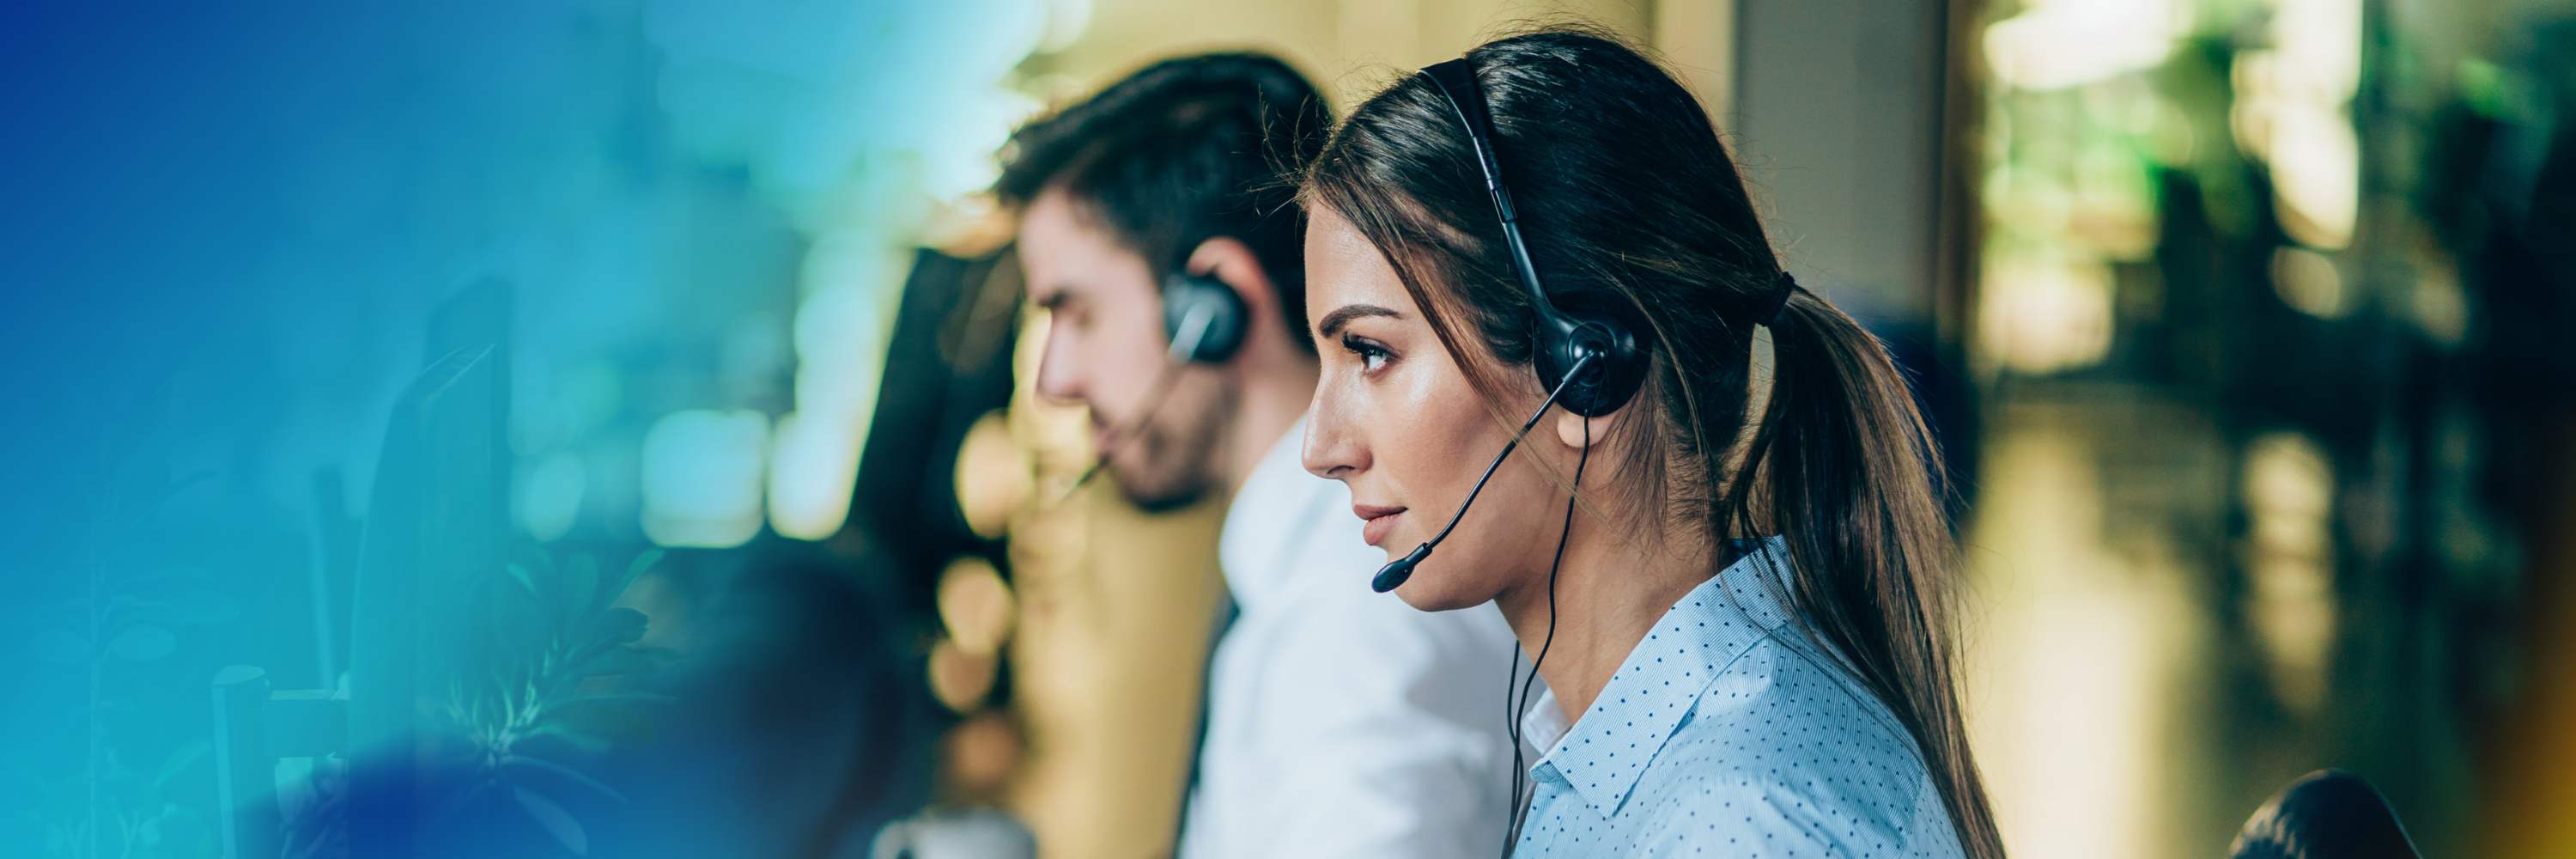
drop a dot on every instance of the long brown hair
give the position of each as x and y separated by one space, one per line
1633 207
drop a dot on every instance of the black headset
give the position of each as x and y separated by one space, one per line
1564 337
1588 361
1203 317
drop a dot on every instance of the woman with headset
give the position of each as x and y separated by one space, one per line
1730 567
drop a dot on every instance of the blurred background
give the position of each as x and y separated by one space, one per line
601 427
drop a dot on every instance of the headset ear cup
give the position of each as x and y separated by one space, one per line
1206 312
1617 370
1623 373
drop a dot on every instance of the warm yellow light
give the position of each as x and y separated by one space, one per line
2441 309
2289 494
2249 114
2055 44
992 476
2316 174
975 605
2320 48
2045 315
2307 280
983 752
2080 656
2114 203
2285 474
960 679
2291 109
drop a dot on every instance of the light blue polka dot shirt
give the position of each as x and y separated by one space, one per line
1726 734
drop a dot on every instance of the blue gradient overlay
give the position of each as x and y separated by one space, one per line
302 299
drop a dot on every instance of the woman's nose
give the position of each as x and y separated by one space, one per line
1332 450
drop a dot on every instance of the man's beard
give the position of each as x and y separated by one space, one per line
1178 461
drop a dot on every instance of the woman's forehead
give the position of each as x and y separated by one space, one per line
1343 267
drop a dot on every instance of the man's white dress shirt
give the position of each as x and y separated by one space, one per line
1342 722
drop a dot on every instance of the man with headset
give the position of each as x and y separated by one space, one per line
1158 229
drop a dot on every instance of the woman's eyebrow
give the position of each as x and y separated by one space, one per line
1332 322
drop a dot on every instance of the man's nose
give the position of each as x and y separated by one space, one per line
1059 374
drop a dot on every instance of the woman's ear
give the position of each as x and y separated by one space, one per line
1570 430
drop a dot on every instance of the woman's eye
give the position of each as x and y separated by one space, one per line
1372 356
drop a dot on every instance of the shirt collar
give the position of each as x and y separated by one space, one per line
1273 516
1602 754
1543 724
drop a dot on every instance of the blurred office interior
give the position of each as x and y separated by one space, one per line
683 450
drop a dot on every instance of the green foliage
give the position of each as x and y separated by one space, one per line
551 684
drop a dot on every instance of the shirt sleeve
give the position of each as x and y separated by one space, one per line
1387 725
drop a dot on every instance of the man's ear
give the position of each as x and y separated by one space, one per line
1232 263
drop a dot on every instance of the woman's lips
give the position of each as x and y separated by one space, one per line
1381 521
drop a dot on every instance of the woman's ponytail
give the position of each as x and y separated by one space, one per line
1842 466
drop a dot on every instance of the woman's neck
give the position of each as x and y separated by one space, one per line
1609 592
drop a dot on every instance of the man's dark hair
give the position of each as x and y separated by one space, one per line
1186 150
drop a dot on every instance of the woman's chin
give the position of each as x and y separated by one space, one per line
1429 593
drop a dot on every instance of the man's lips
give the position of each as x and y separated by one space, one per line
1381 521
